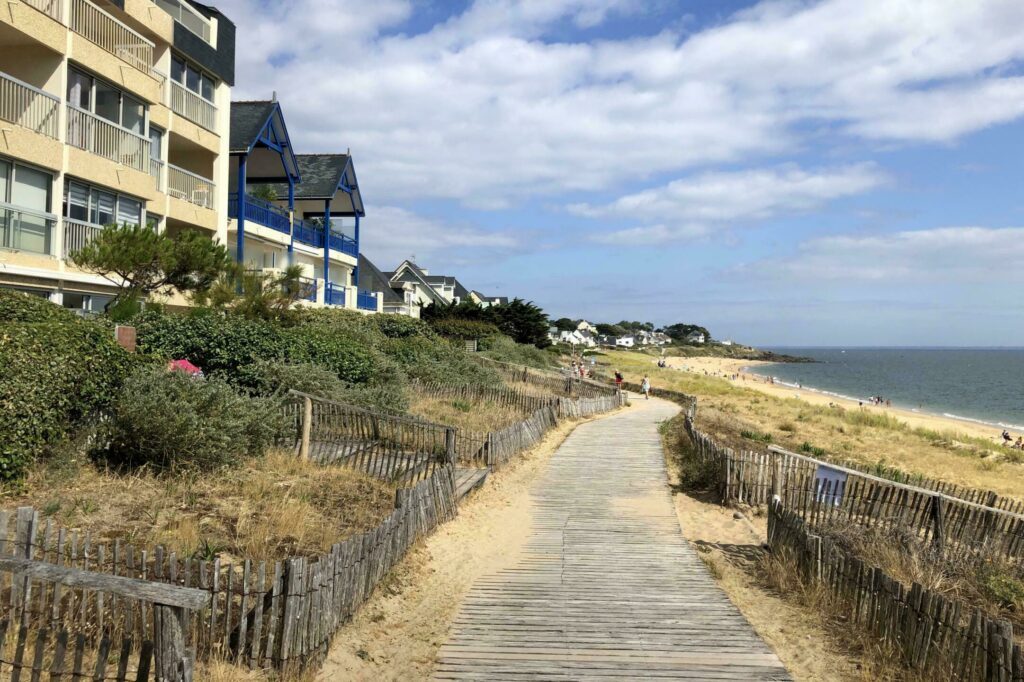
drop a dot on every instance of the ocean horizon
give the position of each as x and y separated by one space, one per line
970 383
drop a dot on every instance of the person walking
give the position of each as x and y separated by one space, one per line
645 388
618 380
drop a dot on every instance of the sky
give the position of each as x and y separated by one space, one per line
840 172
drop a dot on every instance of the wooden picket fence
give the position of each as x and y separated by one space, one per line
558 383
397 448
928 630
258 614
501 396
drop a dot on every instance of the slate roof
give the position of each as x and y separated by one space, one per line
372 279
247 120
320 175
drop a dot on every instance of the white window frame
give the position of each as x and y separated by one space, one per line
120 106
90 189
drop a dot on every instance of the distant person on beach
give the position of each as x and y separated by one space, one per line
645 388
1007 438
1019 445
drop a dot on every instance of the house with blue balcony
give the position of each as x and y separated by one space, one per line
294 209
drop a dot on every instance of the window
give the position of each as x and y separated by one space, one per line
153 221
106 101
91 303
100 207
199 82
25 225
156 138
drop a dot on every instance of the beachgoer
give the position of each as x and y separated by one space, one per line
1007 438
618 380
645 388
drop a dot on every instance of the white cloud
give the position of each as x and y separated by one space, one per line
652 234
741 195
482 110
398 234
981 256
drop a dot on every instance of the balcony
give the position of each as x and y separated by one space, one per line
262 212
186 103
49 7
156 169
28 106
98 27
334 295
190 187
22 229
188 17
309 234
309 289
345 244
103 138
77 234
367 300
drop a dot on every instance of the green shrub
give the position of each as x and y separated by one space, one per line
812 449
436 360
399 326
506 350
173 420
219 344
56 376
275 379
351 354
757 436
16 306
464 330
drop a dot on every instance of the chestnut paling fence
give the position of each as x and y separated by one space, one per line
927 630
257 614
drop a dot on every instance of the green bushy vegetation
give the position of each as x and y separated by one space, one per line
464 330
18 307
56 376
504 349
171 420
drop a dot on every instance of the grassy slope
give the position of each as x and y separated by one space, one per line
729 410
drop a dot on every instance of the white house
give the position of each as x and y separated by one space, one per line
695 337
625 341
585 326
727 342
577 338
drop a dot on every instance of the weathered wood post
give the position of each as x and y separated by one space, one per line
169 643
307 427
449 445
939 532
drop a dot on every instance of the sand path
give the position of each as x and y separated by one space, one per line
605 586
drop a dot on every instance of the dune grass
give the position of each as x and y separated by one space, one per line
267 508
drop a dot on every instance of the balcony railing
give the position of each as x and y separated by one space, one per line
22 229
334 295
113 36
77 234
366 300
101 137
193 188
193 107
28 106
156 169
309 289
187 17
307 233
260 211
345 244
50 7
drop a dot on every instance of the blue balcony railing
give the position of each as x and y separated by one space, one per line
309 234
334 295
260 211
366 300
309 287
345 244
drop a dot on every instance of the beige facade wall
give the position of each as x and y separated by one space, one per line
38 50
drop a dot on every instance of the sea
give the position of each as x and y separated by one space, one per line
983 385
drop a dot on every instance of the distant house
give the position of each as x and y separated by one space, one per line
695 337
487 301
578 338
397 299
585 326
554 335
661 338
727 342
606 340
625 341
441 289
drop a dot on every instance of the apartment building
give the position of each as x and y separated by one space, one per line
110 111
287 209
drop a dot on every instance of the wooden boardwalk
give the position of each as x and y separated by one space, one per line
607 588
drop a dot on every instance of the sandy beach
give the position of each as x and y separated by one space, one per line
728 367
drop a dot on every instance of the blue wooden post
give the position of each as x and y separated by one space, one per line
355 272
291 220
240 246
327 241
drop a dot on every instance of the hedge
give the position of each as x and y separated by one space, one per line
466 330
56 376
16 306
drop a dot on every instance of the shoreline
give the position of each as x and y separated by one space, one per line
726 367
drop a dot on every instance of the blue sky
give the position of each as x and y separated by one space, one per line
841 172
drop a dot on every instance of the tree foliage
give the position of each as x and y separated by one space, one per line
564 324
257 295
679 331
522 320
142 262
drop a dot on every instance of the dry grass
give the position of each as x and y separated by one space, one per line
530 389
868 437
269 508
479 416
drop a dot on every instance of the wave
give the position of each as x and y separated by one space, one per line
1001 425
